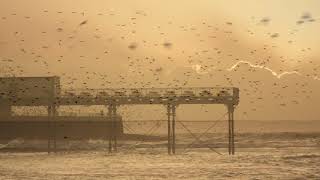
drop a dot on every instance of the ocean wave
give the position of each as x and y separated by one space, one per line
302 156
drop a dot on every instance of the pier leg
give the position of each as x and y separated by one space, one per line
109 124
169 128
53 118
232 130
229 130
115 126
49 130
173 129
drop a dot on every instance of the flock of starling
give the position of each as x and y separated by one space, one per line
205 65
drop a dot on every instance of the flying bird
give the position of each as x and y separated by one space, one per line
133 46
167 45
83 23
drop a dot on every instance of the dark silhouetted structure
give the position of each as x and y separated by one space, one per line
46 91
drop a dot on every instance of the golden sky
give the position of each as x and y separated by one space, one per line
269 48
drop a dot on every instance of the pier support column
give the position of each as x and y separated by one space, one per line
232 129
53 118
52 132
171 112
109 124
231 147
169 128
112 128
173 108
49 129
